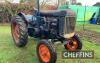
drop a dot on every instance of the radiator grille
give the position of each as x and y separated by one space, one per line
67 25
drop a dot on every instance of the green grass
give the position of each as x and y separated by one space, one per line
9 53
90 27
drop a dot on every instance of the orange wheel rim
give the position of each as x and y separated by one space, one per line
44 53
15 32
74 45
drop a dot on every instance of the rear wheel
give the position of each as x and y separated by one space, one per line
19 31
45 52
74 44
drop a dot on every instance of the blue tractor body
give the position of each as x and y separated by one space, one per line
50 26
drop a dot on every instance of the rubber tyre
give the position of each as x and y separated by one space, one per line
22 38
53 55
79 44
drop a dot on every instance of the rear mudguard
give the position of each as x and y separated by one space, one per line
29 19
22 15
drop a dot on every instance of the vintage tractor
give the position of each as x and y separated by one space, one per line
49 26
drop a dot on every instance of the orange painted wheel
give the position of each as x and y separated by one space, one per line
44 53
74 44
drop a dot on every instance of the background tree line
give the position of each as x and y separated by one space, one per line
7 9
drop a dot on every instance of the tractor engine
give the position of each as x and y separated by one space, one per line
60 25
52 25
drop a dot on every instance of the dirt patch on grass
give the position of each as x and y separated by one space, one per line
92 36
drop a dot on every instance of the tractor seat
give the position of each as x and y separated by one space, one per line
53 13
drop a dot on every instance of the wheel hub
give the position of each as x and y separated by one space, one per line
72 46
44 53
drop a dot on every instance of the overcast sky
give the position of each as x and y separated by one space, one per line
88 2
84 2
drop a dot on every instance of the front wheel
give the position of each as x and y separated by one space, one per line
45 52
74 44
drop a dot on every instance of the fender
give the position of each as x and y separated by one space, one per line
27 18
23 17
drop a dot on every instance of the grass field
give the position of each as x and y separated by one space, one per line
9 53
90 27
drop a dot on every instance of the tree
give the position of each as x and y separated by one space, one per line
23 1
79 3
62 2
97 4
